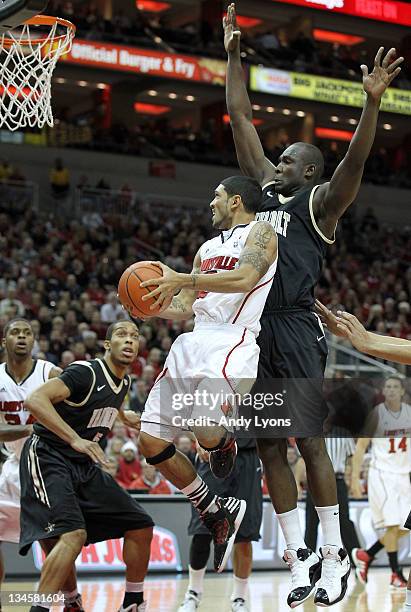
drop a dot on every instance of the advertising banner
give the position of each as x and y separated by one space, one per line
146 61
323 89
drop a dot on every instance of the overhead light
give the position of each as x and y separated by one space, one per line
150 109
82 83
270 109
158 39
190 98
256 107
331 134
172 96
387 126
152 6
334 118
101 85
352 121
243 54
336 37
152 92
286 111
300 114
60 80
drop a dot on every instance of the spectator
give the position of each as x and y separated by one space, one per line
66 358
11 302
112 310
138 395
151 480
59 179
184 443
129 465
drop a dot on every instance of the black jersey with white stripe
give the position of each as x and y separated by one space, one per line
95 399
301 248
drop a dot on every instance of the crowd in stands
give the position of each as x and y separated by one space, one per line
271 46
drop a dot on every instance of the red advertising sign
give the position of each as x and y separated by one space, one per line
145 61
108 556
391 11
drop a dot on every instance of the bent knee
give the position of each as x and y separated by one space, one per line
312 448
140 535
74 539
149 446
271 449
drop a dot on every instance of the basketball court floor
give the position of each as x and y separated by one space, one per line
268 594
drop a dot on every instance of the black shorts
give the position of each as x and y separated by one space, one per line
293 354
244 482
59 495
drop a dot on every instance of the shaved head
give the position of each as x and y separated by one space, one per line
311 155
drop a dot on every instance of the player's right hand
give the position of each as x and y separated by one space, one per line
92 449
232 33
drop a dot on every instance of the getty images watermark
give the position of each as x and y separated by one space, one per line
221 408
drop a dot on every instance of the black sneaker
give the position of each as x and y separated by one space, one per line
223 526
222 461
305 568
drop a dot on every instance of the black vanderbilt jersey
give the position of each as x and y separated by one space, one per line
301 248
96 397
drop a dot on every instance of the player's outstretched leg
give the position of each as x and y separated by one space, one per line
136 555
199 554
221 516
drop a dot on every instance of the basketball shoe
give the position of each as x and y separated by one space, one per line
222 461
305 568
223 526
398 580
74 606
239 605
362 561
335 570
191 602
135 608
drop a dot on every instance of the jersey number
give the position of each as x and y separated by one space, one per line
14 419
402 445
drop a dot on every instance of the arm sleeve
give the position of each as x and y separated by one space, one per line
79 379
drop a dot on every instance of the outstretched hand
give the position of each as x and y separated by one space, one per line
165 287
232 33
329 319
384 72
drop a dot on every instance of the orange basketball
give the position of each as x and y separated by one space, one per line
130 293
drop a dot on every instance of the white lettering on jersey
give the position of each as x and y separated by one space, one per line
279 219
221 254
392 452
103 417
13 395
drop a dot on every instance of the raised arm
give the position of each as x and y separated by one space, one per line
41 405
332 199
259 252
250 153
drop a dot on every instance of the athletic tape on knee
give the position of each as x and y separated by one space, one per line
167 453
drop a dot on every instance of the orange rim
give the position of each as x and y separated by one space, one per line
46 20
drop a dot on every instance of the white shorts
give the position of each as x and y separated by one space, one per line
389 496
10 501
203 375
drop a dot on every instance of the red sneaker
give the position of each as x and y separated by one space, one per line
398 581
362 562
74 606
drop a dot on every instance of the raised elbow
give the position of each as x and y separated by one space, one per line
238 118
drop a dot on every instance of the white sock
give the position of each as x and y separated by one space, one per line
70 596
330 524
408 598
196 579
134 587
240 588
200 496
291 528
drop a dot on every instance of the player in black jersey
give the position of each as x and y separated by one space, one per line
304 214
66 498
244 482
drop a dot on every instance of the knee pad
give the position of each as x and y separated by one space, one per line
167 453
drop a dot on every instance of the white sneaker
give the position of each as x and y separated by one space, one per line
305 568
191 602
335 570
135 608
239 605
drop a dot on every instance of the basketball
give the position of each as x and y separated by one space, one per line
130 293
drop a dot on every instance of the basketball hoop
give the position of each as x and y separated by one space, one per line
28 56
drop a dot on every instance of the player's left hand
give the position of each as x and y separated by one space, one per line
166 285
131 419
329 319
353 330
384 72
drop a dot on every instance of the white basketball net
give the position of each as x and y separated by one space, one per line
27 62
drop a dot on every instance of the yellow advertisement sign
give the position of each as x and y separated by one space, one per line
324 89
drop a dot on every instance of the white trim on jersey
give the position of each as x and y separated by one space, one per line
115 388
36 475
313 221
85 400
